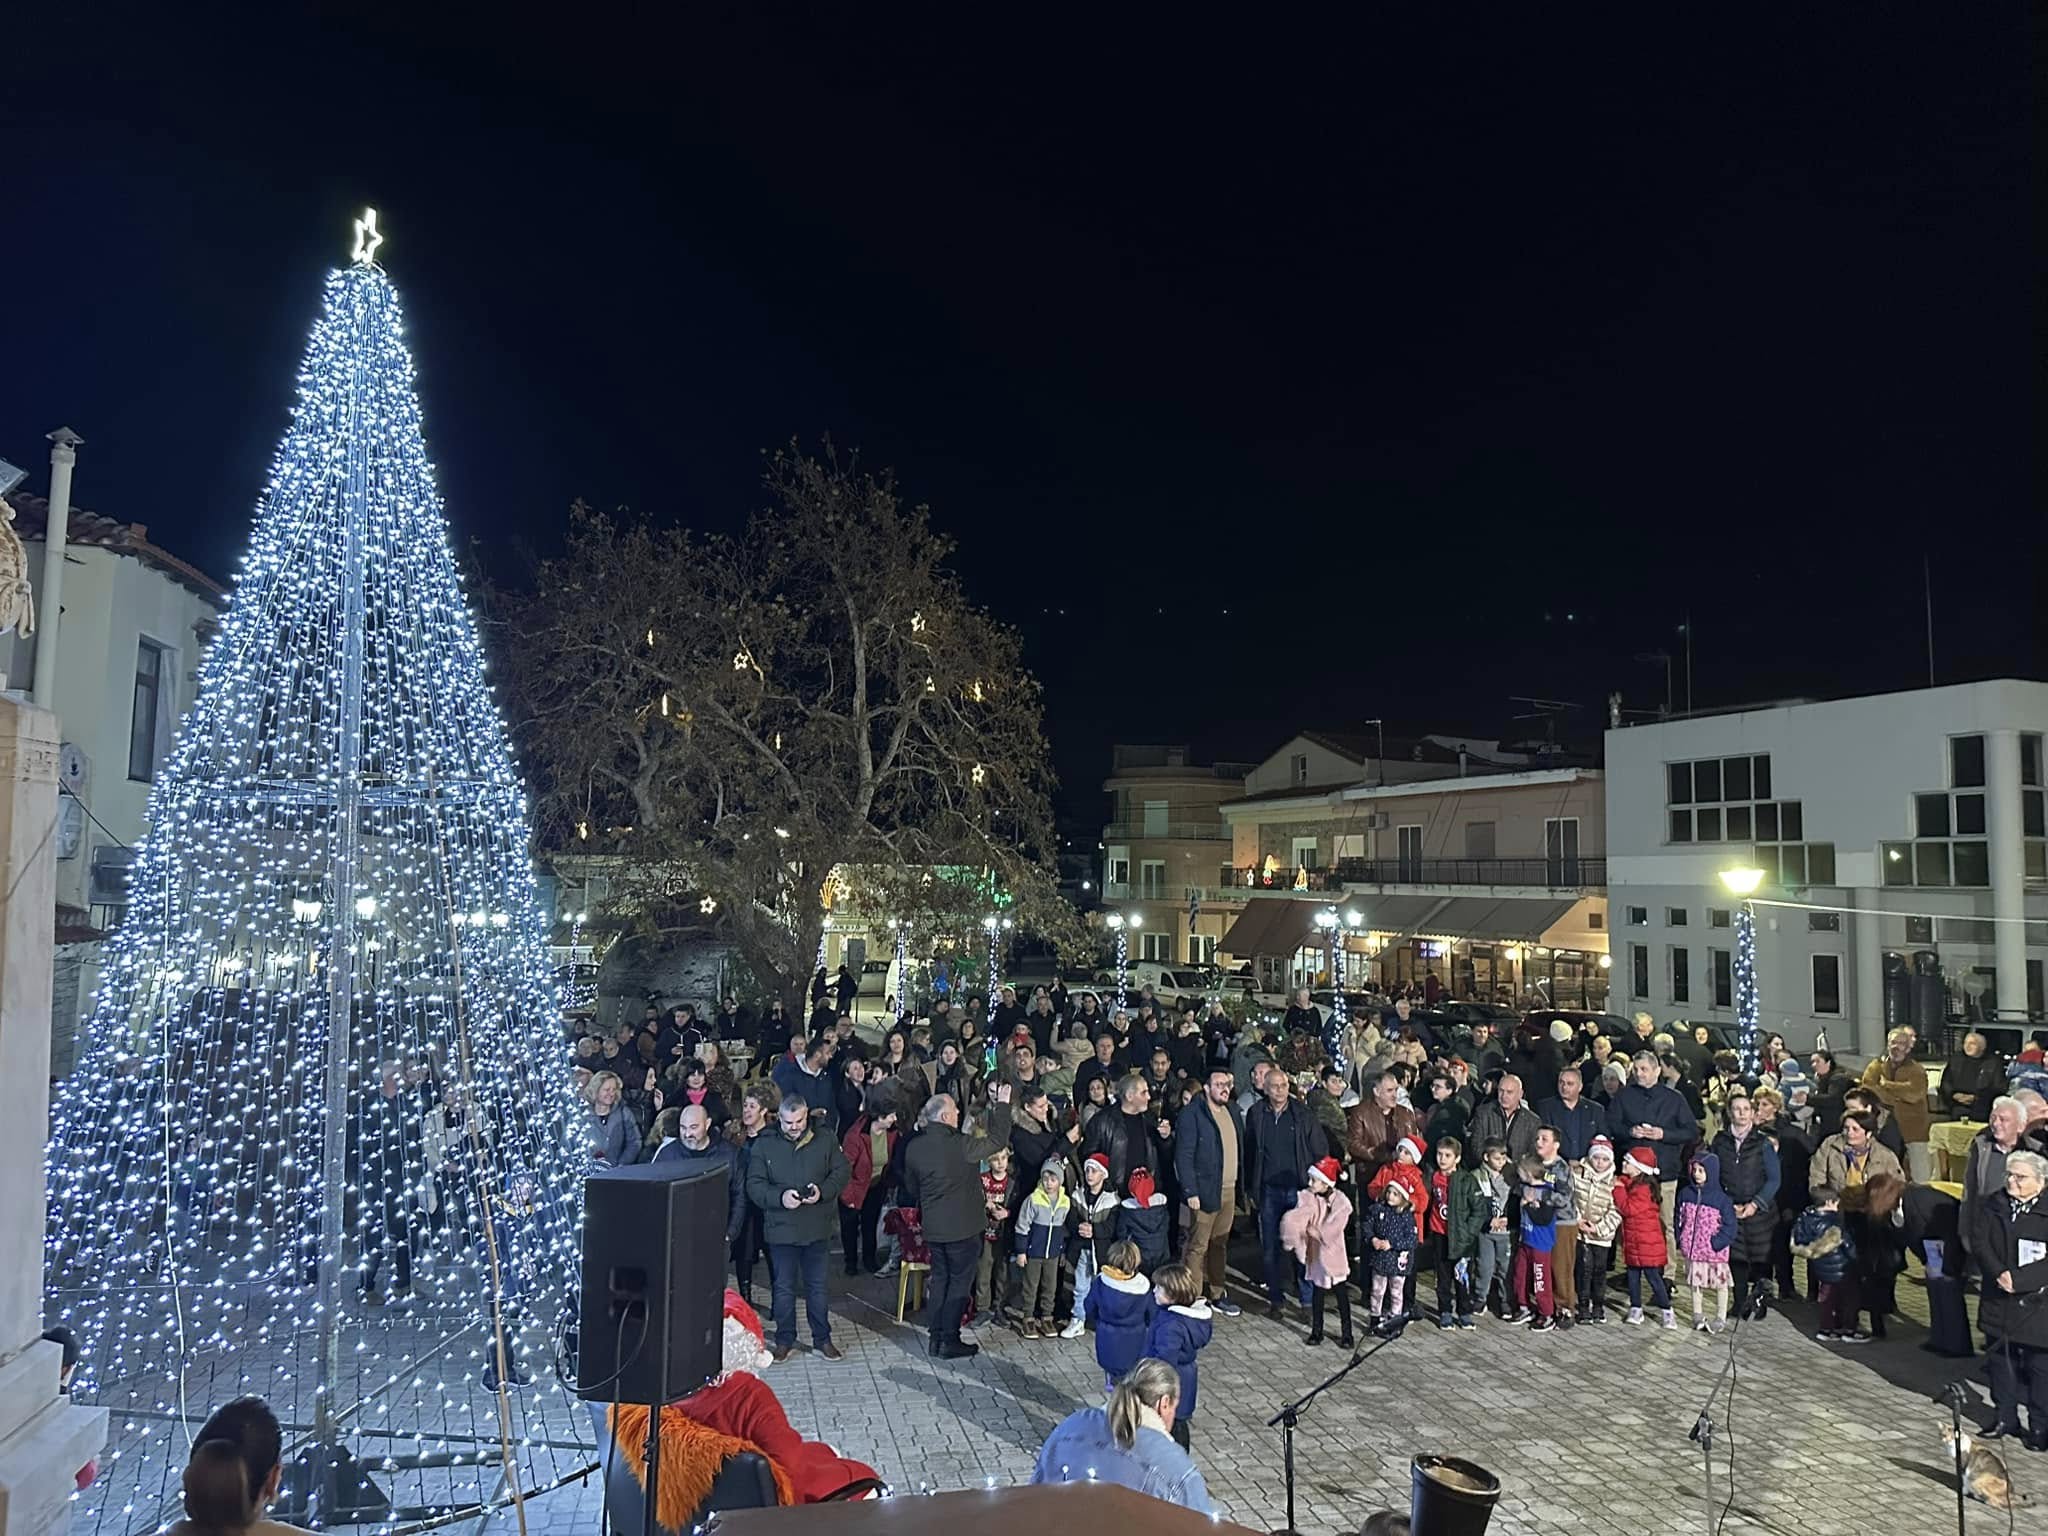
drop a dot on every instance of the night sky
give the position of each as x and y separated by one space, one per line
1265 381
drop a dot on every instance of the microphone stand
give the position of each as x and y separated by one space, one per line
1953 1396
1703 1427
1289 1417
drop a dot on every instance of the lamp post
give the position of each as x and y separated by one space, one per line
1337 927
1743 882
902 972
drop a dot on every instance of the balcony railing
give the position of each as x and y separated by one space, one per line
1550 874
1187 831
1179 894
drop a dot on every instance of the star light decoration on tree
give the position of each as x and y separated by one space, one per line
335 898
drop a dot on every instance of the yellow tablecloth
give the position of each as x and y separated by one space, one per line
1953 1191
1950 1141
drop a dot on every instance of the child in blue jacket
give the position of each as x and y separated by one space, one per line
1180 1329
1145 1218
1120 1308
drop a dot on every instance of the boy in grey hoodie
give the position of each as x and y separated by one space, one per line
1497 1240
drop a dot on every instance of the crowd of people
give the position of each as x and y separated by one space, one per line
1066 1166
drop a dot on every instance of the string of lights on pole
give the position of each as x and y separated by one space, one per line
1123 925
1337 928
902 972
328 1027
1743 882
995 926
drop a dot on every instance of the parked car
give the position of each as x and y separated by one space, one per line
874 978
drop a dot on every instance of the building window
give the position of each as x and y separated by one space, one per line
1717 917
1823 922
1596 920
1681 974
1349 845
1152 878
1408 847
1297 768
1674 917
1723 799
1479 839
1639 970
1201 949
1638 917
1156 822
148 720
1117 871
1966 762
2030 757
1155 946
1561 850
1721 977
1827 983
1304 853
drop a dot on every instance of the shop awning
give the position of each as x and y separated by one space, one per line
1519 919
1275 925
1397 916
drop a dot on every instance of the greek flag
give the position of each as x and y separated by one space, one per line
1194 908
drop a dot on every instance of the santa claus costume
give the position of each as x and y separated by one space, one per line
738 1412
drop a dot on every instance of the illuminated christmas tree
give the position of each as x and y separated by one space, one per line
326 1049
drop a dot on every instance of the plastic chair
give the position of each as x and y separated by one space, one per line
904 1274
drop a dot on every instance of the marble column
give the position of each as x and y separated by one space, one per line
2008 873
44 1438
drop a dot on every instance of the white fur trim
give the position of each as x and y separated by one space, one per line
1130 1285
742 1351
1198 1310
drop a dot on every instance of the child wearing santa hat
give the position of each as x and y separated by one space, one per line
1094 1233
1390 1243
1145 1220
1599 1225
1642 1234
1406 1170
1314 1233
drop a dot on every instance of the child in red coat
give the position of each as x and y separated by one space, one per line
1642 1235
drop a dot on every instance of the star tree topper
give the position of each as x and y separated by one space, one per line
368 239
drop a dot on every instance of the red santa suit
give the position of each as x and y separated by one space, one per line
736 1413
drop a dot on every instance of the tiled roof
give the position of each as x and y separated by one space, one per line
89 530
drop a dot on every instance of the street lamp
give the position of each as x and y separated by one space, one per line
1742 882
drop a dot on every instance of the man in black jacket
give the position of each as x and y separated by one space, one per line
942 1181
1130 1133
1282 1141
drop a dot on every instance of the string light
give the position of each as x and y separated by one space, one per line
341 794
1747 1007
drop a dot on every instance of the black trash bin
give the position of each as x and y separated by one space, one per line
1451 1497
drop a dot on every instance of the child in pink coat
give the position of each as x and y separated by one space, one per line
1314 1233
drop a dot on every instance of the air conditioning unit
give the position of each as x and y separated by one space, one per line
109 883
1377 821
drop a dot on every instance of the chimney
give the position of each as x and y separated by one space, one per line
63 455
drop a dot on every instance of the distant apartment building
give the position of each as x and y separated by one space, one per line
1442 855
1162 847
1904 847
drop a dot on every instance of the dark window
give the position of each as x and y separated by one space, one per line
1930 864
1596 919
1760 774
1766 823
1823 922
1820 863
1708 824
2030 758
1791 824
1792 864
1681 826
1969 815
1681 975
1717 917
1973 863
2036 861
1639 970
1680 792
1920 930
146 711
1930 815
1827 983
1706 781
1896 860
1638 916
1721 967
1738 824
1966 762
2031 814
1735 778
1674 917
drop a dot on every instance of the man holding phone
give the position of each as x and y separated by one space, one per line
795 1179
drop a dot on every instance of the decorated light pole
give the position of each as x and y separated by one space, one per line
1123 925
1743 882
1337 928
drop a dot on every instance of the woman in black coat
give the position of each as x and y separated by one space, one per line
2013 1251
1971 1080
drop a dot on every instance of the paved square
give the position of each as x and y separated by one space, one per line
1586 1429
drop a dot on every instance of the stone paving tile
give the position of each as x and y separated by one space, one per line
1586 1429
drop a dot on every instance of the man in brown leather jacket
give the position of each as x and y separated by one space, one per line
1375 1124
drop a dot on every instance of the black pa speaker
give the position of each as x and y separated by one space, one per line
653 1315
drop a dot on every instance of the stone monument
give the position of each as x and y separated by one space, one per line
44 1437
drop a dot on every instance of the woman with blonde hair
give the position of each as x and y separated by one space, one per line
1129 1442
611 1135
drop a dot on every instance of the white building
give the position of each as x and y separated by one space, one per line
1898 834
135 621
